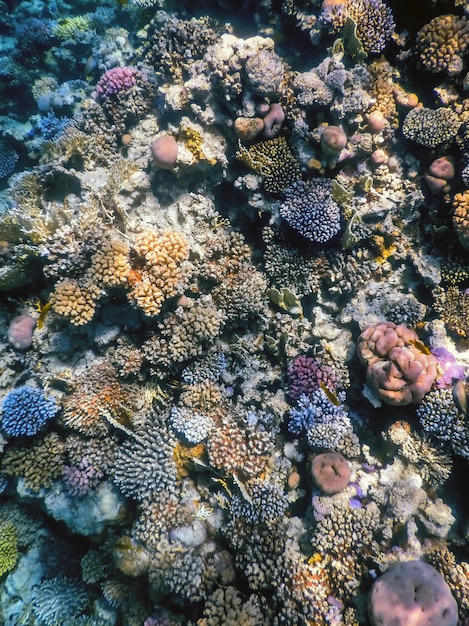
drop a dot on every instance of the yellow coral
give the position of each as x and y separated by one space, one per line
75 300
75 27
8 547
110 266
441 44
461 217
157 274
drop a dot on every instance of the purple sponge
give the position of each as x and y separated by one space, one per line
412 594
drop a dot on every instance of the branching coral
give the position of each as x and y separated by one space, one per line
274 161
25 410
431 127
8 547
442 44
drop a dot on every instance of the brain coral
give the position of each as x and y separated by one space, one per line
414 593
442 43
373 18
400 370
310 209
431 127
25 410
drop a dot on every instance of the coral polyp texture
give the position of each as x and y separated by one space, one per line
234 313
400 369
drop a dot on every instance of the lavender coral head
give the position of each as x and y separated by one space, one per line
26 410
449 366
305 375
114 81
400 369
311 210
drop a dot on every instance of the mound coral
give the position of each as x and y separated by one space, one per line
26 410
310 209
412 592
330 472
400 369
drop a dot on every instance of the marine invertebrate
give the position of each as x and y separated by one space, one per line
274 161
400 369
39 462
330 472
82 478
441 44
306 374
431 127
192 425
156 269
75 299
461 217
25 410
264 73
75 28
440 174
310 209
412 591
115 80
20 331
8 546
373 19
60 599
333 140
226 607
98 399
144 466
8 159
441 418
164 151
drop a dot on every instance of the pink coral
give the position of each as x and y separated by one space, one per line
414 593
330 472
20 331
400 369
115 80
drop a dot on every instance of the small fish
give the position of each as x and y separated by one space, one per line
330 394
43 311
419 345
460 394
122 3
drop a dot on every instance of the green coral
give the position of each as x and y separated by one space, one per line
8 547
74 28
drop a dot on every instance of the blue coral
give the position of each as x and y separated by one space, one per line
26 410
50 126
311 210
8 159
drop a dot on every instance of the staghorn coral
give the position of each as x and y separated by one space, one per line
60 599
274 161
441 44
311 210
373 19
400 369
25 410
39 463
431 127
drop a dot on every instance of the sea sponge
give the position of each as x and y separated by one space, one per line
400 369
330 472
442 44
412 593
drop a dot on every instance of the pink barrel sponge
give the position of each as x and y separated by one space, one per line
20 331
412 594
400 369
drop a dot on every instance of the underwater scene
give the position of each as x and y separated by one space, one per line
234 313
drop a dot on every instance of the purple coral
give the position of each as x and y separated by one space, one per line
310 209
305 375
449 366
82 478
115 80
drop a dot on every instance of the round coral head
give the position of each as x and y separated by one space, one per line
330 472
333 140
164 150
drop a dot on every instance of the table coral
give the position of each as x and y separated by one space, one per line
400 370
442 43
